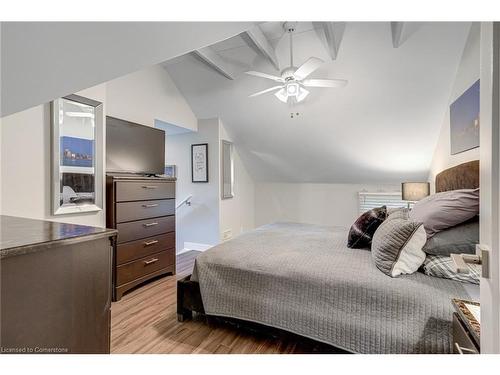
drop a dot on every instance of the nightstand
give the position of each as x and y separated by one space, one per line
466 327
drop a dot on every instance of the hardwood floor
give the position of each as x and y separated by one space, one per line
145 321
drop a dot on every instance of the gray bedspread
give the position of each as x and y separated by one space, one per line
303 279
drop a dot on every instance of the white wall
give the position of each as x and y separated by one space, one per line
209 216
321 204
237 214
337 204
198 223
146 96
26 165
25 139
467 74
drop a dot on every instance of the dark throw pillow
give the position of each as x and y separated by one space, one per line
361 232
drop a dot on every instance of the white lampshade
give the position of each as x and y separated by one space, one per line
281 95
414 191
292 89
302 94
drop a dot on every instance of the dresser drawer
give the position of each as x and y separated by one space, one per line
146 265
129 211
135 230
144 190
462 342
129 251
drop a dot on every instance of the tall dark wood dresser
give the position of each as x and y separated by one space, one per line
143 211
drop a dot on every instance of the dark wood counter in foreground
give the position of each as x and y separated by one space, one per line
55 287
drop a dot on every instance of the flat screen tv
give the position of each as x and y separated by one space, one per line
134 148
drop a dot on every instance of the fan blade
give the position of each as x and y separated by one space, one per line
324 82
265 91
265 75
308 67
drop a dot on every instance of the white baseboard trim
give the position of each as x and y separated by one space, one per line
189 246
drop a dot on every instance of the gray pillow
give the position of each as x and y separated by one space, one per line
397 246
460 239
445 210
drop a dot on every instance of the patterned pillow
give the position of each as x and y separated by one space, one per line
397 246
361 232
442 266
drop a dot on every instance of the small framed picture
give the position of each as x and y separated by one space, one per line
199 162
171 171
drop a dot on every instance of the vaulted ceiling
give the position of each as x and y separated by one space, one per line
41 61
382 127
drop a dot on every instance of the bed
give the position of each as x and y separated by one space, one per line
303 279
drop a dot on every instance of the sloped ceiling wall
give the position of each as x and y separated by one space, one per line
382 127
467 73
41 61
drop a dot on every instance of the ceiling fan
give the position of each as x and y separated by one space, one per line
293 81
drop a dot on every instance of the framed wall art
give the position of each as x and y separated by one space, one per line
464 120
199 162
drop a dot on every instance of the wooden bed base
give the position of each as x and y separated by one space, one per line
189 301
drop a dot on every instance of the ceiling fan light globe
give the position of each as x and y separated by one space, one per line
281 95
292 89
302 94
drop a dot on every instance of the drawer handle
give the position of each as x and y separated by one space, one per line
462 350
149 243
151 261
147 225
150 205
149 186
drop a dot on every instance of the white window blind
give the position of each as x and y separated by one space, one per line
368 200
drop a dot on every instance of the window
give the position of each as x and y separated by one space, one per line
368 200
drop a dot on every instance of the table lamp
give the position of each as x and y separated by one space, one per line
414 191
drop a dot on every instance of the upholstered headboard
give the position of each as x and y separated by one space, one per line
462 176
